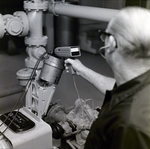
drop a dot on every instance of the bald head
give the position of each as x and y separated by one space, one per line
131 28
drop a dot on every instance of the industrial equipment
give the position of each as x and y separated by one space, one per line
72 124
33 125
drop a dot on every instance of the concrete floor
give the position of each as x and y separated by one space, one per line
65 92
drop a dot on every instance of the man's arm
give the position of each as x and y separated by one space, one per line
101 82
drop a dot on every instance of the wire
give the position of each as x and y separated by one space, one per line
92 102
82 101
24 92
12 109
78 95
34 69
75 85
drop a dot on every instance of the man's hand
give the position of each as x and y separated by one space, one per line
76 65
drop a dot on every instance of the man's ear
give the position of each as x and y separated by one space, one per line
112 42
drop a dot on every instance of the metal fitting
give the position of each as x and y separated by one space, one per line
2 27
24 21
37 41
28 5
14 26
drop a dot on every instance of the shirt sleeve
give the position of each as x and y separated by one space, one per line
128 137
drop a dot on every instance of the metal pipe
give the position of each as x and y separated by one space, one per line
37 1
85 12
35 19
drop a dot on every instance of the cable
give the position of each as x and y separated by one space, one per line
78 95
25 91
92 102
12 109
75 85
34 69
84 109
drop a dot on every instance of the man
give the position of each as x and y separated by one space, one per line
124 120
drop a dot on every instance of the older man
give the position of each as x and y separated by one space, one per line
124 120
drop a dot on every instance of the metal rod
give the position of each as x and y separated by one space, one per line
85 12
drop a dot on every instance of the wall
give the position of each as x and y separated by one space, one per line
88 36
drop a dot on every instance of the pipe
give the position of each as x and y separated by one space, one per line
85 12
37 1
11 90
35 19
35 40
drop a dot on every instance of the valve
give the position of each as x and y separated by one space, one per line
16 24
2 27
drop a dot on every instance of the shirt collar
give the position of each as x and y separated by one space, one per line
127 89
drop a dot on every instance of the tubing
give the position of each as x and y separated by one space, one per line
10 90
85 12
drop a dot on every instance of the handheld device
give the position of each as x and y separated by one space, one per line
68 52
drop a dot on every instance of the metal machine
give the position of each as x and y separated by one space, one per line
32 126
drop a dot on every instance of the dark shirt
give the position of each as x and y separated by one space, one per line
124 120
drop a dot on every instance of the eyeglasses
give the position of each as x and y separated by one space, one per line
102 51
103 35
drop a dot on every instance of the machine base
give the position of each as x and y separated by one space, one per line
38 137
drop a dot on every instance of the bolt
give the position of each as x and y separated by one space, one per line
15 27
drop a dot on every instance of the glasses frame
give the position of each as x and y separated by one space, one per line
102 51
103 34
